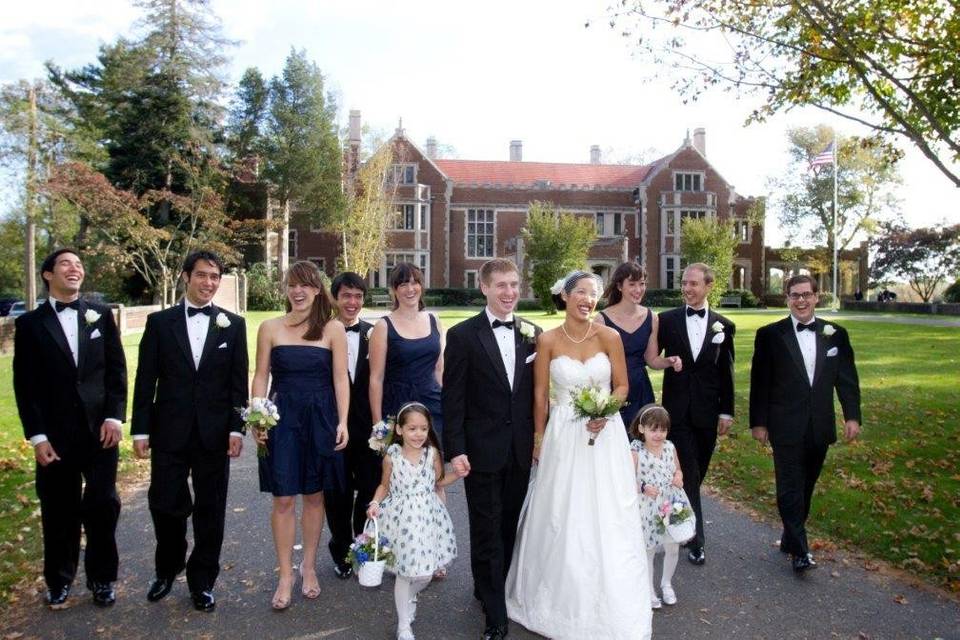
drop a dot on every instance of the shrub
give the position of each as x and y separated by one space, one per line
952 293
663 298
263 292
747 299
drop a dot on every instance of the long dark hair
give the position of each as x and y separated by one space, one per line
626 271
432 439
307 273
405 272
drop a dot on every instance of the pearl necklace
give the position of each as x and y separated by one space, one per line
585 336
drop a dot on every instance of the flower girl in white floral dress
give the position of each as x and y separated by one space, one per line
412 516
658 478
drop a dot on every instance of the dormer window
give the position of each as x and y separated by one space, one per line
405 173
688 182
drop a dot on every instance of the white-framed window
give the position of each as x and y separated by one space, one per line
610 224
423 217
684 181
405 173
671 267
669 223
292 243
320 261
600 221
741 231
470 279
694 214
403 218
618 226
480 234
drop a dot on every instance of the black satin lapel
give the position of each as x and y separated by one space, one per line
519 359
489 343
708 334
215 336
52 324
179 322
83 335
821 353
681 326
788 332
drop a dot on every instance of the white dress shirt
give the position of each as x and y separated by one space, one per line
696 330
506 343
808 346
71 329
353 351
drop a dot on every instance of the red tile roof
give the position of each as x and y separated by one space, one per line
559 175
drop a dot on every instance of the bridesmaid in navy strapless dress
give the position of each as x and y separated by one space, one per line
302 459
410 374
635 346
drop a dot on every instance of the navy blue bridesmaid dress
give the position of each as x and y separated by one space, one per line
410 373
634 346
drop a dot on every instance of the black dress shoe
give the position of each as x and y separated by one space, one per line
494 633
203 600
56 598
343 571
802 563
159 589
696 555
103 593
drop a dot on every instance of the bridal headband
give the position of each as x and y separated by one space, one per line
410 405
648 410
566 283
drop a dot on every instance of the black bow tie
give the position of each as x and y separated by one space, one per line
60 306
192 311
354 327
809 327
696 312
501 323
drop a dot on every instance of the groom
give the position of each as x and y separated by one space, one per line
488 429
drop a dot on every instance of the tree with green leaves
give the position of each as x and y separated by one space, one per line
867 180
555 242
247 116
926 257
370 203
888 64
713 242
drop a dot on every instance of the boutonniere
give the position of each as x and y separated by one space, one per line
718 335
222 320
528 331
828 330
91 317
717 327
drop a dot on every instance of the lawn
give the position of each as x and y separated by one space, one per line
894 494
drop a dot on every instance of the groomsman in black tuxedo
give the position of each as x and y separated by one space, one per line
699 398
797 364
488 429
70 381
346 515
191 377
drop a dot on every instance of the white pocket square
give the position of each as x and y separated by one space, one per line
95 334
530 358
718 338
222 346
832 351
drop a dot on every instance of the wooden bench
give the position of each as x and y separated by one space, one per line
731 301
379 299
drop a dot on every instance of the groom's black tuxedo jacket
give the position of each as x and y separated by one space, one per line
482 416
702 390
170 395
55 396
781 396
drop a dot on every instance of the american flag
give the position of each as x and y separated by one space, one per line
824 157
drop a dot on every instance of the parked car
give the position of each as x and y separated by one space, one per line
19 307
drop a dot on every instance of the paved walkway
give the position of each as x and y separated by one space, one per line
745 591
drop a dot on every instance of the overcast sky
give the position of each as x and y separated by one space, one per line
475 76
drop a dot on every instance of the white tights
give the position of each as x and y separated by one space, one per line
671 551
405 592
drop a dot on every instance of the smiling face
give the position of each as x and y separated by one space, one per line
202 283
66 278
802 301
694 287
633 290
349 304
582 299
502 292
301 296
408 294
415 429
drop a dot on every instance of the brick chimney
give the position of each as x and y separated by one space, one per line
354 126
595 154
700 140
516 151
432 148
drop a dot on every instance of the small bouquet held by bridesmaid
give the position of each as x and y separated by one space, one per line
381 434
591 402
677 520
260 414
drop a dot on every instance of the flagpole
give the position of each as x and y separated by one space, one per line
836 291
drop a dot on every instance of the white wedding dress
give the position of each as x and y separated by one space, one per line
579 566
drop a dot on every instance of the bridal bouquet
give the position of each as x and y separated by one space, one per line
676 520
592 402
260 414
381 434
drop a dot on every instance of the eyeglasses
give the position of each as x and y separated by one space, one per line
804 295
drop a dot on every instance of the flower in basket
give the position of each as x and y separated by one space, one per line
381 434
591 402
260 414
362 551
673 512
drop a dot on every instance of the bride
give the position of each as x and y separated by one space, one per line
579 567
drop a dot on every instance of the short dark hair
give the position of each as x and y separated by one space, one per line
347 279
209 256
51 261
405 272
800 279
626 271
